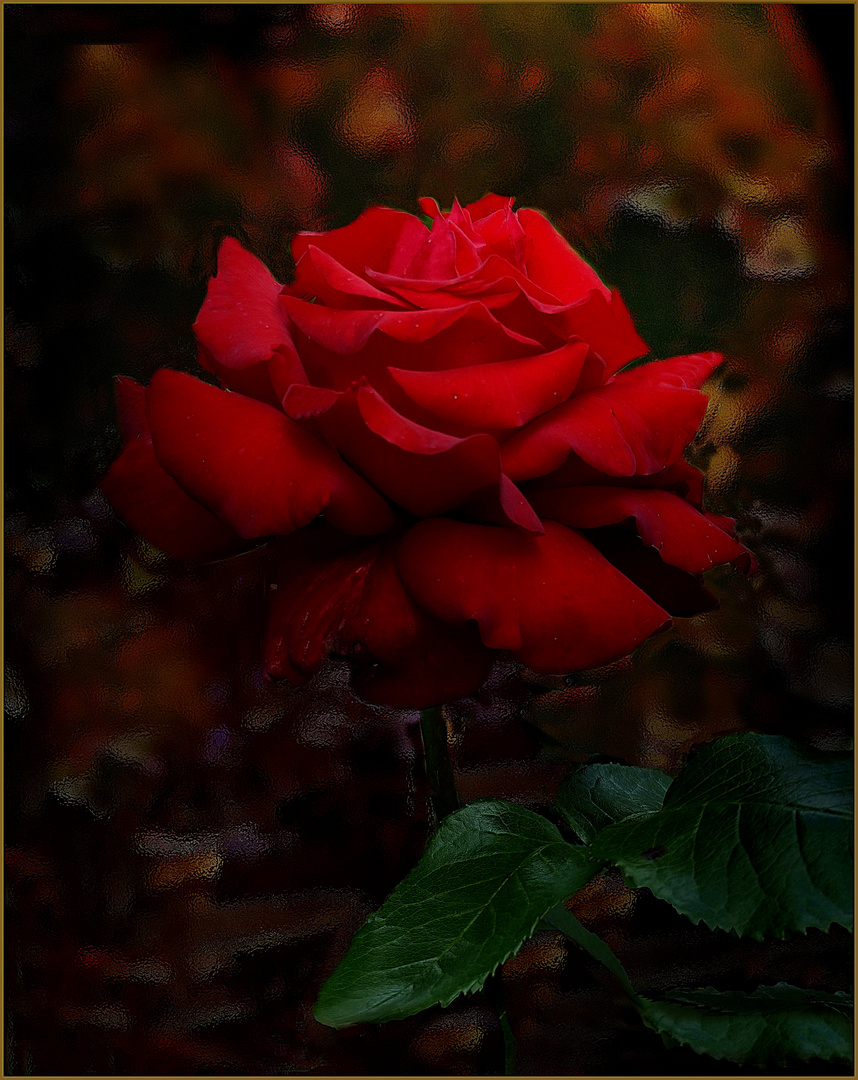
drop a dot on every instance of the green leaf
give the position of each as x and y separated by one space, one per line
563 920
775 1025
594 796
755 836
488 874
772 1026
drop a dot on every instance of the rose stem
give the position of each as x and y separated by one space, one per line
445 800
439 766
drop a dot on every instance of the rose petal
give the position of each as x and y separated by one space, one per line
315 594
552 263
131 408
473 339
251 465
429 206
425 471
335 285
747 561
552 601
504 395
683 536
348 331
150 501
680 372
680 594
492 295
281 374
521 316
354 604
241 322
607 327
446 253
488 204
253 381
308 402
679 477
417 661
494 277
502 504
372 240
504 235
460 217
689 370
638 422
152 504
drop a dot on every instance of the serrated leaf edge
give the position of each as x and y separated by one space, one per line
641 1002
479 983
778 935
377 920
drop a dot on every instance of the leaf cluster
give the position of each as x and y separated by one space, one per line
754 836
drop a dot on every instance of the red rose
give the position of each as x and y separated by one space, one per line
438 421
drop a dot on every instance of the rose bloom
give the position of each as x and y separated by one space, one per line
438 422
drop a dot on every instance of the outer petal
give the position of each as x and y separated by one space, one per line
241 322
504 395
606 326
417 661
680 594
502 504
552 601
316 593
424 471
150 501
679 477
683 537
638 422
552 263
131 408
251 465
354 604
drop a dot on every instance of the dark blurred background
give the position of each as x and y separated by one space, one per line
190 850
